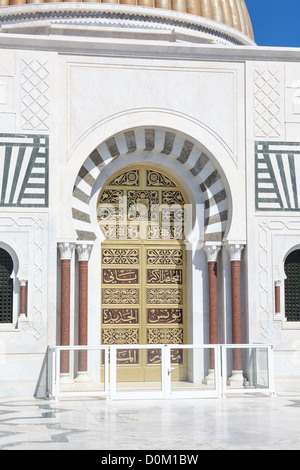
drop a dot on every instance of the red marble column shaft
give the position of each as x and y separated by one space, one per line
83 314
23 295
277 299
65 313
236 313
213 308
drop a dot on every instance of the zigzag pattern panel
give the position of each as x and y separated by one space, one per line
277 173
23 170
160 141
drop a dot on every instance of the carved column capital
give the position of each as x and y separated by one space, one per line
235 251
212 251
84 251
66 249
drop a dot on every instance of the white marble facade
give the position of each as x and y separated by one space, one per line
65 91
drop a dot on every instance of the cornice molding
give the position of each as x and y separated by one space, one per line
95 14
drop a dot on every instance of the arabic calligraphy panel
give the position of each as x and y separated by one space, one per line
154 356
127 356
165 315
120 276
120 316
164 276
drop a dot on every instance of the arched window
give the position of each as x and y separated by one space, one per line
6 287
292 286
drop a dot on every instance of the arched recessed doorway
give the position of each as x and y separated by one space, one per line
292 286
6 287
144 215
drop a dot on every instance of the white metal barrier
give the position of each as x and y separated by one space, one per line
66 385
198 381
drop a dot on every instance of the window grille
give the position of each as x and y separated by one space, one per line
292 286
6 287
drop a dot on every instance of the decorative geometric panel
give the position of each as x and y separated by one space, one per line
120 336
34 95
162 256
120 256
165 296
165 336
267 121
23 170
277 176
120 296
6 287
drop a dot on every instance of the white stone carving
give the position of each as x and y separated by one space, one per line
66 249
235 251
267 103
211 251
34 95
84 251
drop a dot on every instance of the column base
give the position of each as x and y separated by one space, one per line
237 379
65 378
210 378
82 376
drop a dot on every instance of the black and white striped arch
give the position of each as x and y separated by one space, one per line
167 143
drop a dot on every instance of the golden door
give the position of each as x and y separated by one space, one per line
142 213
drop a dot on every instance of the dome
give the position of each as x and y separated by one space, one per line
232 13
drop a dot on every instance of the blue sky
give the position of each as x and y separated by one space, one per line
275 22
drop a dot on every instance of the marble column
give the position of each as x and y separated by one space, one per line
66 251
212 252
235 252
277 297
23 298
84 251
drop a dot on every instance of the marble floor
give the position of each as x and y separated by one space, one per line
244 422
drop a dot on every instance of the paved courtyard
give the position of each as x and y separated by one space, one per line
243 422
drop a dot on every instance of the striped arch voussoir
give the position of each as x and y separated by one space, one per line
167 143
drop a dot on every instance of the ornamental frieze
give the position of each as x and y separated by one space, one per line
120 296
120 256
165 335
120 336
163 256
164 296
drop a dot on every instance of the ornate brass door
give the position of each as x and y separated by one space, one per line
142 212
